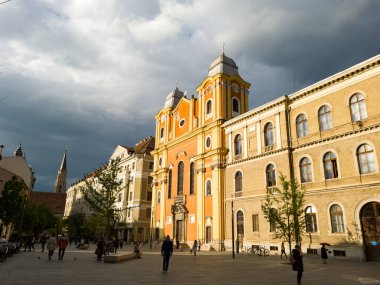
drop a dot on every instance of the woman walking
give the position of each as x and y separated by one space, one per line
194 248
51 245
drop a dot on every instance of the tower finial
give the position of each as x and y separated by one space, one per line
223 44
176 83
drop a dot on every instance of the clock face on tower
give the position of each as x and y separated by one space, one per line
235 87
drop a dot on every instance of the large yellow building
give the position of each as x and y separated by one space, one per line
189 156
327 137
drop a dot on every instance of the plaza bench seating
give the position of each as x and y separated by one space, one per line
119 257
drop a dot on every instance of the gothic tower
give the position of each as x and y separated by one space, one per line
60 182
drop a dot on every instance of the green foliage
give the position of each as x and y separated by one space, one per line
283 208
75 224
35 218
11 200
101 193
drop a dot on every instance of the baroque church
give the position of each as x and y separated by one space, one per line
211 152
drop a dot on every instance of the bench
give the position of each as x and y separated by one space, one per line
83 246
119 257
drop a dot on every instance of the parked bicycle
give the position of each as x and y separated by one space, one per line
258 250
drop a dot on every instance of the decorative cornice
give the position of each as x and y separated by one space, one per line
335 79
334 137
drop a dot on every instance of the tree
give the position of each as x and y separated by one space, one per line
11 200
36 218
75 224
101 193
283 209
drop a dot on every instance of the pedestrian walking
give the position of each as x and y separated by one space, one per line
283 250
62 244
166 253
298 264
99 249
115 241
137 250
194 248
324 253
199 245
51 245
43 241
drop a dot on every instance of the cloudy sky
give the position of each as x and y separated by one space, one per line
89 74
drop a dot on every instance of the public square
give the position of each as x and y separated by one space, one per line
81 267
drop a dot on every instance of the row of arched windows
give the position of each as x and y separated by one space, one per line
235 106
180 179
358 113
335 214
357 109
365 160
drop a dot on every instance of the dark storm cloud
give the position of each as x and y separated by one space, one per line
89 75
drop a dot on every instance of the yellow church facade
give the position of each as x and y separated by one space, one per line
189 157
210 152
327 137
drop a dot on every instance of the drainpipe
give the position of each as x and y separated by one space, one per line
289 137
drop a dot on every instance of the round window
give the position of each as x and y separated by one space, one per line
208 142
182 123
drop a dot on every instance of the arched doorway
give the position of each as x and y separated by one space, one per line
240 229
370 222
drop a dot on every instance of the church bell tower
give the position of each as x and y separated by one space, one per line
60 183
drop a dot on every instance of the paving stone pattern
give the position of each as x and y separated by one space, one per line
81 267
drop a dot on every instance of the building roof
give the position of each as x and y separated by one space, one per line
55 201
173 98
144 146
223 64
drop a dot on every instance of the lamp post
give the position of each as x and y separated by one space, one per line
232 224
151 231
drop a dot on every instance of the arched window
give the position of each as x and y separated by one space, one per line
192 175
366 159
170 183
238 182
238 145
208 107
162 133
324 118
330 165
301 122
271 175
311 219
357 107
336 216
268 135
240 222
235 105
272 212
306 170
180 178
159 197
208 188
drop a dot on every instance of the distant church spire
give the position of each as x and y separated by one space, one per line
60 183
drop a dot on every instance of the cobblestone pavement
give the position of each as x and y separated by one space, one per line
81 267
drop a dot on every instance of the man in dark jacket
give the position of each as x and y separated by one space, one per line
166 252
298 264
